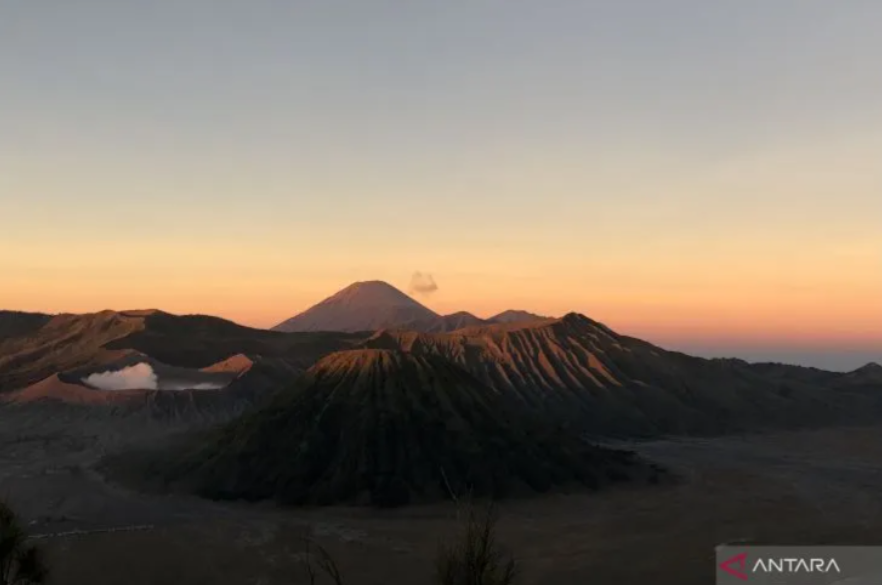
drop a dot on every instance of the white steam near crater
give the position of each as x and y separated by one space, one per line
191 386
142 377
137 377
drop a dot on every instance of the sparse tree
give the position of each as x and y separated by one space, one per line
20 563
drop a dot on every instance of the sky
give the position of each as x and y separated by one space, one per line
704 175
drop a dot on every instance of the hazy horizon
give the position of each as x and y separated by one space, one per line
704 176
842 359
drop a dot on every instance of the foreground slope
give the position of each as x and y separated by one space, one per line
362 306
387 428
39 346
578 370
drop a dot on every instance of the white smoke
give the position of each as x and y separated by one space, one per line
137 377
142 377
422 283
192 386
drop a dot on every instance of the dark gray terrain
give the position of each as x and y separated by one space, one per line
819 486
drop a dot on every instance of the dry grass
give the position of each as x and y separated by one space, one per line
475 557
319 562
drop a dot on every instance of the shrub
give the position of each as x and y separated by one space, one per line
475 557
20 563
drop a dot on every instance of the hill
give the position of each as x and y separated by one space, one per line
868 374
362 306
39 346
388 428
867 378
445 323
577 370
516 316
143 384
57 343
572 369
16 323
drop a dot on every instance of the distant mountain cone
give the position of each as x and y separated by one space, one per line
361 306
375 305
388 428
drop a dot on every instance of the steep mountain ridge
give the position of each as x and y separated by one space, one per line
219 391
579 370
388 428
60 343
572 368
53 344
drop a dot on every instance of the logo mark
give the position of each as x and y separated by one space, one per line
740 560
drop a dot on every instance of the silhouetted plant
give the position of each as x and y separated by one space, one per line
474 557
319 561
20 563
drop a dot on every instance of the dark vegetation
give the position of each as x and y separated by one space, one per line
21 563
472 557
385 428
319 562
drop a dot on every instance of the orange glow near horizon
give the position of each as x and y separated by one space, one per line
717 312
678 268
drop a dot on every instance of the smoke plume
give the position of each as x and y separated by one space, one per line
137 377
422 283
143 377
